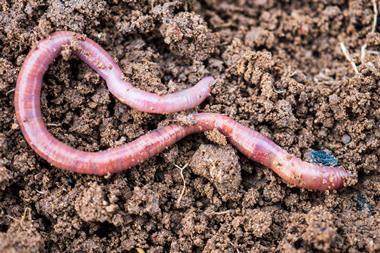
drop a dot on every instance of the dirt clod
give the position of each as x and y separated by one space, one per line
5 177
143 201
188 35
220 165
22 236
92 205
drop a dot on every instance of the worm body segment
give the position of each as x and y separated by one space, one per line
39 59
251 143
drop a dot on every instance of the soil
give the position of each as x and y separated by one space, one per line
279 69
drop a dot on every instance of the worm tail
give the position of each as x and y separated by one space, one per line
261 149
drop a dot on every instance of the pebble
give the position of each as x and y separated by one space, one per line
346 139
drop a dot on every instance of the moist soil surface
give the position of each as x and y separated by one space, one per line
279 69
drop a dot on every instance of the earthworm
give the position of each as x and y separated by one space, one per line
251 143
38 60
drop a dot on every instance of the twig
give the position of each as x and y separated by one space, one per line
236 247
373 52
27 212
183 179
10 91
375 14
54 124
278 91
362 53
348 57
40 192
219 213
373 30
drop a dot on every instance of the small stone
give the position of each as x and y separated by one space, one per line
324 157
346 139
111 208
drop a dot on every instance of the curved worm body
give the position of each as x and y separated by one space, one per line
251 143
39 59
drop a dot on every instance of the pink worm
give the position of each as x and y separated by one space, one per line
39 59
251 143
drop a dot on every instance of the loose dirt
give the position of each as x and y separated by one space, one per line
279 69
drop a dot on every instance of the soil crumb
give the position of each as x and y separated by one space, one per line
22 236
5 177
219 165
91 204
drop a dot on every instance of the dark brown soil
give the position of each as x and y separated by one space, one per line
280 70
